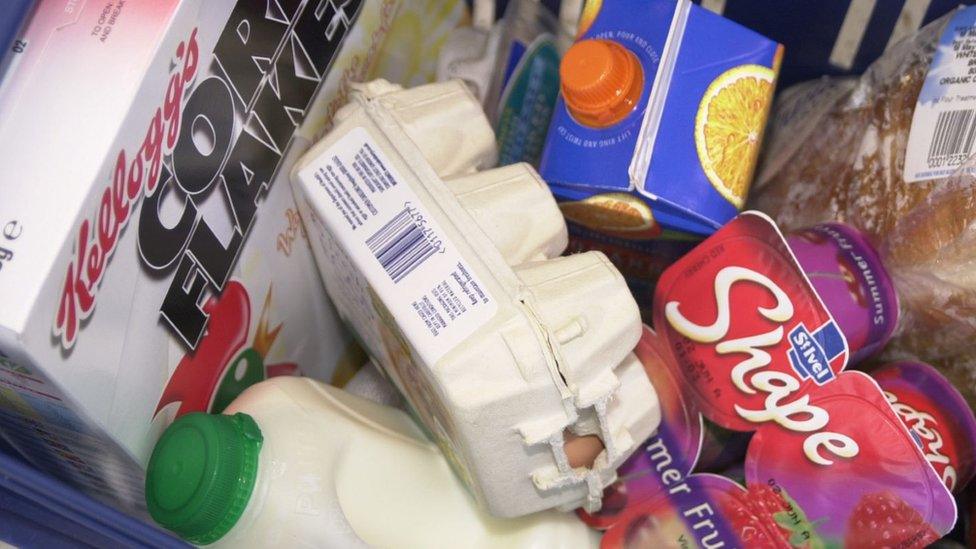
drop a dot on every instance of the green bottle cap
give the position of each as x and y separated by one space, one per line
201 474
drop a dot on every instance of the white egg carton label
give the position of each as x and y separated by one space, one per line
402 251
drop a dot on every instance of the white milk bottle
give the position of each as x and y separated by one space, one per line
294 462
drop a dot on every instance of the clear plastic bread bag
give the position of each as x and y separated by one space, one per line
836 152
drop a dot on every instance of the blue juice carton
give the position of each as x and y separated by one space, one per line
660 118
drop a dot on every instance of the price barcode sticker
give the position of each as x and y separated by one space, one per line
430 291
953 135
943 132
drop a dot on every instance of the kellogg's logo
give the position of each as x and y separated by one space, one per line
97 238
267 66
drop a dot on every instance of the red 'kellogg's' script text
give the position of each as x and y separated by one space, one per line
94 248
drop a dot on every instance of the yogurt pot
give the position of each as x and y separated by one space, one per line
757 346
853 283
936 415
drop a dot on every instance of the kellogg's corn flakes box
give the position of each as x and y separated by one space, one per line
152 260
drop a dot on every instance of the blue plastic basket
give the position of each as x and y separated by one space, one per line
13 15
39 511
835 37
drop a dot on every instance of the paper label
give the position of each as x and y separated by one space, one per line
943 132
408 259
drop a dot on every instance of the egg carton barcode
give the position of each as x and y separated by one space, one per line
402 244
954 134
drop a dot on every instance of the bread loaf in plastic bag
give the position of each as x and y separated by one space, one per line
836 152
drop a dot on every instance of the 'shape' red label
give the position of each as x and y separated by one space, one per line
749 332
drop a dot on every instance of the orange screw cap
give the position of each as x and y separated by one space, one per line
601 82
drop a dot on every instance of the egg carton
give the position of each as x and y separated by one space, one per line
515 359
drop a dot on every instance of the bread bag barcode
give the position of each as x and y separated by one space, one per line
954 134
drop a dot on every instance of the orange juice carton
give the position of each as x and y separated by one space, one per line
660 116
152 261
518 361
